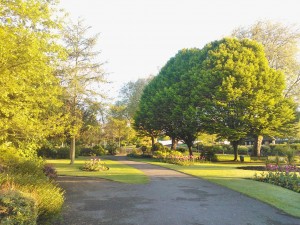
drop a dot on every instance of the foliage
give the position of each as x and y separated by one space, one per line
157 147
27 176
280 42
136 153
17 209
51 152
30 99
97 150
50 171
112 148
236 94
230 157
80 75
117 128
94 164
208 155
131 94
286 179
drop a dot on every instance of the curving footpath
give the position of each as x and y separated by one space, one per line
171 198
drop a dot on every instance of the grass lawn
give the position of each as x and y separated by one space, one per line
117 171
227 174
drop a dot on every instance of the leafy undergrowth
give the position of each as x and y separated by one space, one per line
117 171
28 194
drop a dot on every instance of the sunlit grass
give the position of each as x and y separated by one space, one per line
117 171
228 175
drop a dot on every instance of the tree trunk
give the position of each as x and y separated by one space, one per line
190 150
72 150
152 141
257 145
174 143
235 145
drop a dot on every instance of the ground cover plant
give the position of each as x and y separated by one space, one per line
227 174
117 171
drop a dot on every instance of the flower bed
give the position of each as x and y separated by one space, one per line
286 176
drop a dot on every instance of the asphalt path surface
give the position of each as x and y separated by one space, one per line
170 198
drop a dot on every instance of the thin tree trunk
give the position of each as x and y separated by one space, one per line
190 150
174 143
235 145
72 150
152 141
257 145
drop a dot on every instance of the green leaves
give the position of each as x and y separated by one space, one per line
226 88
29 96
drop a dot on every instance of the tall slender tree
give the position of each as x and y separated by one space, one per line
81 75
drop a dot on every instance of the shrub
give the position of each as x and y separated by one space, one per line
243 150
182 150
17 209
94 164
160 154
27 176
135 153
112 148
97 150
56 152
50 171
157 147
209 155
230 157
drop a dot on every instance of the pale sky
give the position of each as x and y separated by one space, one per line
137 37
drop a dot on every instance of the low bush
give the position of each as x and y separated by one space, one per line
50 171
56 152
17 209
182 150
97 150
138 153
94 164
157 147
112 148
27 176
230 157
209 155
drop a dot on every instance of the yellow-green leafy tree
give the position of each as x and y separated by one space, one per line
30 93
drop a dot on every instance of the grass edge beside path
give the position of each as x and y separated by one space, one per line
278 197
117 171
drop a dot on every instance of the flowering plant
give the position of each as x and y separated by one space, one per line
94 164
286 176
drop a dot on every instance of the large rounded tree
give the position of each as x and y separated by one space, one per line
242 94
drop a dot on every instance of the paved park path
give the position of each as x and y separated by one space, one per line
171 198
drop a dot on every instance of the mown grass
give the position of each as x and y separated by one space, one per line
228 175
117 171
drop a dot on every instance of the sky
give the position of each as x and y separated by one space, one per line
138 37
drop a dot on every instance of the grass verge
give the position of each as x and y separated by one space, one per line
228 175
117 171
